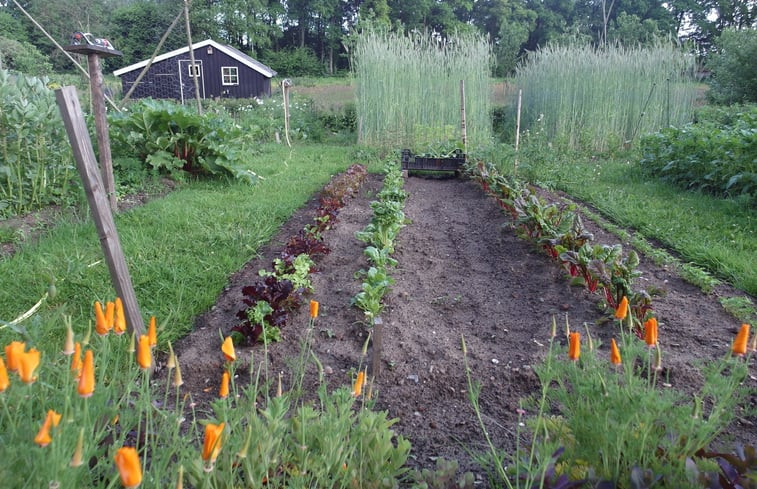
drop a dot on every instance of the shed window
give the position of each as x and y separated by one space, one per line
193 70
230 75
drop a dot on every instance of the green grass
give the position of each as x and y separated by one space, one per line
717 234
180 249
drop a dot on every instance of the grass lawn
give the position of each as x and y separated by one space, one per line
180 249
717 234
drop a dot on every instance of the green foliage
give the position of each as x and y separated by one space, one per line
601 99
388 218
301 61
298 272
443 476
714 234
348 443
614 422
36 163
23 57
707 156
734 74
171 137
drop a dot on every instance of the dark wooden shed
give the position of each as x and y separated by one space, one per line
223 72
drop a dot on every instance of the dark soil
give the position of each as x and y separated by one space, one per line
462 271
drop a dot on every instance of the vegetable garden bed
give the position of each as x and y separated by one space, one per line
482 282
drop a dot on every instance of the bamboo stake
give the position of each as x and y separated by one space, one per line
154 55
192 58
285 84
463 128
517 131
76 63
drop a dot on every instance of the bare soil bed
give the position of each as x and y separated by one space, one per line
462 271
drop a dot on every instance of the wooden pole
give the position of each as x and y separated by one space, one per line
463 126
76 63
378 334
517 131
192 58
73 119
152 58
101 128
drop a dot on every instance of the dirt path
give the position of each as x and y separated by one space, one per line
462 271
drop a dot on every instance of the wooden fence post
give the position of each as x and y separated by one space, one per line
73 119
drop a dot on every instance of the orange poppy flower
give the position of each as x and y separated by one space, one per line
129 468
152 332
43 437
650 332
314 309
622 311
27 365
144 355
211 446
101 324
4 381
86 385
614 353
110 314
228 349
742 338
357 387
119 321
12 351
223 392
68 346
76 362
574 346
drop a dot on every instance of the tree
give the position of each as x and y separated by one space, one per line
12 26
734 72
135 29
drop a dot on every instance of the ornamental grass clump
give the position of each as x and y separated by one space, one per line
408 88
599 99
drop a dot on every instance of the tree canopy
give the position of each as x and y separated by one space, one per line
321 29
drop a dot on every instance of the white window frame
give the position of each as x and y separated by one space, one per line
230 73
197 71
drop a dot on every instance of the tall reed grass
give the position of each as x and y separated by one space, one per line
602 98
408 88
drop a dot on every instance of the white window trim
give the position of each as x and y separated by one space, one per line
233 74
197 71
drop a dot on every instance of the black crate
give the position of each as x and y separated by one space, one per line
451 164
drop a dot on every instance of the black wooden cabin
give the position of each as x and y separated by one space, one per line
222 72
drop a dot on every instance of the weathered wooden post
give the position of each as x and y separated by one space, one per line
94 52
73 119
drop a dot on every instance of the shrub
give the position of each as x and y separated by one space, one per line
734 73
710 156
23 57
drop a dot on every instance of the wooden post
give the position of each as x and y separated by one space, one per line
73 119
463 128
98 110
378 333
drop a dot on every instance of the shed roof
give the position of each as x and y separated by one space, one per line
230 51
